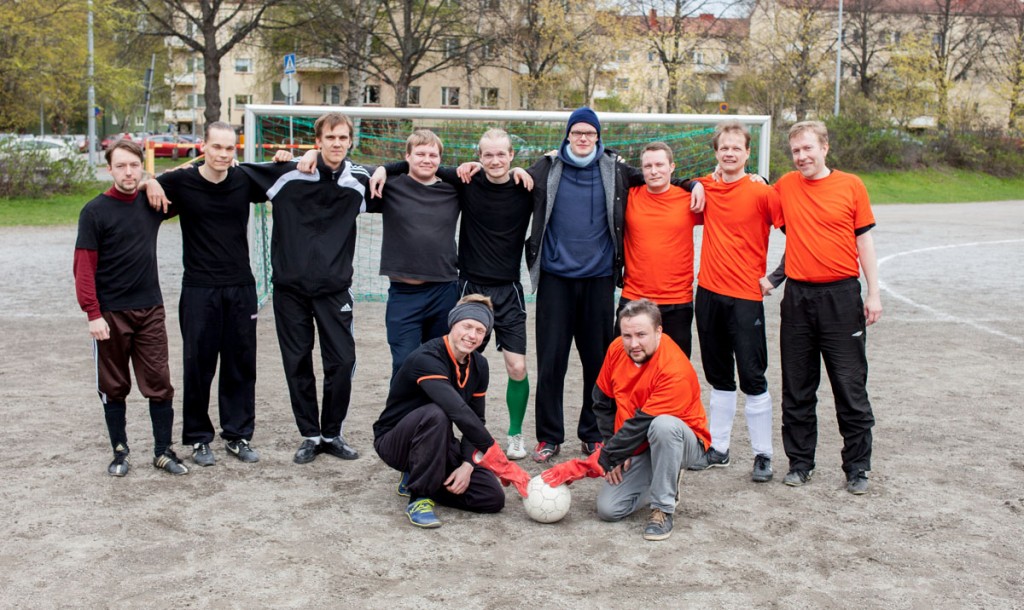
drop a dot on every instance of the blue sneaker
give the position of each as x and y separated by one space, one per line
421 513
403 485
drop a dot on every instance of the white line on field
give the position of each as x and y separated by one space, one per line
938 314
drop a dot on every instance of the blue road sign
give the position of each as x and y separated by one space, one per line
289 63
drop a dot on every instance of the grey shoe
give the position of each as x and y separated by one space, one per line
307 452
659 526
762 472
202 455
857 483
339 448
796 478
712 458
242 450
121 464
169 462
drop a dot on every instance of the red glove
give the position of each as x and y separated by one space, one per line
574 470
508 473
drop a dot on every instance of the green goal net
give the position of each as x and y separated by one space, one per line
380 138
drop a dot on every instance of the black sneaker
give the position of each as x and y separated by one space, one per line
121 464
589 448
857 483
339 448
796 478
712 458
242 450
202 455
307 452
169 462
659 526
762 472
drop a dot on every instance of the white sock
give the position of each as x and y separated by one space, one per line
759 423
721 412
327 440
315 439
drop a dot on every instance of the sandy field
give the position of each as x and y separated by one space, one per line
940 527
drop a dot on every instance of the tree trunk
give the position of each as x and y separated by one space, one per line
211 70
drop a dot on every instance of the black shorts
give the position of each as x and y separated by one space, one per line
509 314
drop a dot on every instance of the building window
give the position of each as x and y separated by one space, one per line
622 84
451 47
524 100
487 52
897 36
412 96
492 4
194 64
332 95
371 94
196 100
622 56
489 97
449 96
698 57
652 57
243 65
242 100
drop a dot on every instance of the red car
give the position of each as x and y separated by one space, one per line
167 145
108 141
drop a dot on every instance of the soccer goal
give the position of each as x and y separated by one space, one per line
380 138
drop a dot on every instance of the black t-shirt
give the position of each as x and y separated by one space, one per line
124 236
214 225
495 218
419 229
431 375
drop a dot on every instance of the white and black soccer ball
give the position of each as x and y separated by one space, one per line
546 504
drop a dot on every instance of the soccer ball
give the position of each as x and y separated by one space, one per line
546 504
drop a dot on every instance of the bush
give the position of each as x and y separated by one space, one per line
988 151
34 173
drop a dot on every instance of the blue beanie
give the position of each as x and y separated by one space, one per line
583 115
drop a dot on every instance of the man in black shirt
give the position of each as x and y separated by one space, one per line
444 382
218 306
118 286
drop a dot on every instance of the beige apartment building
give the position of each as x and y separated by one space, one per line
632 74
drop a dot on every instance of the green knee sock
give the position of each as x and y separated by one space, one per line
516 395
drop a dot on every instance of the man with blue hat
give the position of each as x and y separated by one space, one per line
575 255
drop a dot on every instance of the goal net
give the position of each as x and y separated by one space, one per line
380 135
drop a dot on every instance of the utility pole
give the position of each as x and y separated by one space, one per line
839 56
91 136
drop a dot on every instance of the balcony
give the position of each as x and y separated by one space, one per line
184 79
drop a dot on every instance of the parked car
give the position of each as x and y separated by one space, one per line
108 141
170 145
52 148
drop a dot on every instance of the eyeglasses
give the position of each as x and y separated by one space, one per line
583 134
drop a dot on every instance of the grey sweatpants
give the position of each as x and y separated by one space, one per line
653 476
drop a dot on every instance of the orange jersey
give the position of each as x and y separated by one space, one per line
737 219
658 246
823 218
664 385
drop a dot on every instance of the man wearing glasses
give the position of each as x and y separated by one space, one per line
575 255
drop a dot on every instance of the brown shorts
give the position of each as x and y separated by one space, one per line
139 336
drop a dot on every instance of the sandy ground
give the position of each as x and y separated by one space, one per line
941 526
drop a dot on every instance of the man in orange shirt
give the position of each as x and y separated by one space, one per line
658 245
647 402
738 216
828 218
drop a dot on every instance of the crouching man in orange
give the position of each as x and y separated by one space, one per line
647 402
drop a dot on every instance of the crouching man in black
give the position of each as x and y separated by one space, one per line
444 382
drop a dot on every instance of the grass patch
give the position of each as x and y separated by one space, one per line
934 186
46 211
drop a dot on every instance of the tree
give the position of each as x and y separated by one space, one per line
539 36
797 39
211 28
676 30
1008 60
413 38
961 30
870 34
43 44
